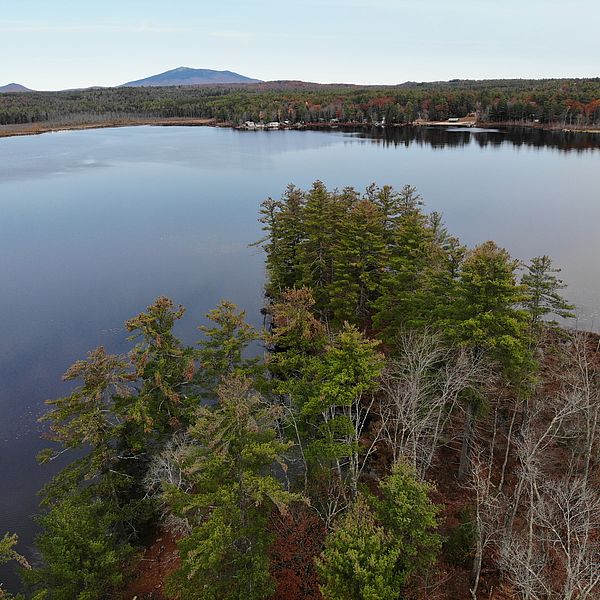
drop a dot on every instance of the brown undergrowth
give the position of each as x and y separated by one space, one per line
299 534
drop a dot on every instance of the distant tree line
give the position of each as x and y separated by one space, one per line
564 101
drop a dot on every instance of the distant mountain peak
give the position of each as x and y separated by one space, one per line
13 87
189 76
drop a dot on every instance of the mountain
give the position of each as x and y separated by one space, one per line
13 87
187 76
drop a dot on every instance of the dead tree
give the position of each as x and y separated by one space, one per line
167 470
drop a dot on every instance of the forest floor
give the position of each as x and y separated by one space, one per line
159 559
448 581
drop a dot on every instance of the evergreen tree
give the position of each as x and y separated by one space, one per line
542 293
91 420
411 519
297 335
325 393
319 225
164 367
359 560
221 351
83 556
378 545
359 259
389 203
487 316
87 419
282 222
408 297
8 554
234 491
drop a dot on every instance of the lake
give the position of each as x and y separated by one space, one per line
94 225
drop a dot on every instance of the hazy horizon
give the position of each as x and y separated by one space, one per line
65 44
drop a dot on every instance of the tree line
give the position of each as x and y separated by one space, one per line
560 101
399 368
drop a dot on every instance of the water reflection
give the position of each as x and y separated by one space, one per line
95 224
454 137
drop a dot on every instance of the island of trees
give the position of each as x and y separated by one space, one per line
416 426
573 103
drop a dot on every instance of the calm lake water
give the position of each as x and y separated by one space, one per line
96 224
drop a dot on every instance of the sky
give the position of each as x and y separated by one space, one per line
60 44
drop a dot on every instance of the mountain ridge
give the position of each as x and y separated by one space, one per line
13 87
189 76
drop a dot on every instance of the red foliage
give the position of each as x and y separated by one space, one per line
299 539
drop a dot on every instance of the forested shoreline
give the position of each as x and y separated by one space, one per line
414 426
553 102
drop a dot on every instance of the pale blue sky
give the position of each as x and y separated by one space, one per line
75 43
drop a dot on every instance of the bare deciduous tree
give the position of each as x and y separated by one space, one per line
581 380
525 570
489 503
420 390
568 515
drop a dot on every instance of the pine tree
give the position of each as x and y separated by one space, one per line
165 368
359 560
408 297
88 419
83 555
410 517
235 449
320 221
282 220
487 316
221 351
359 259
542 296
381 541
8 554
